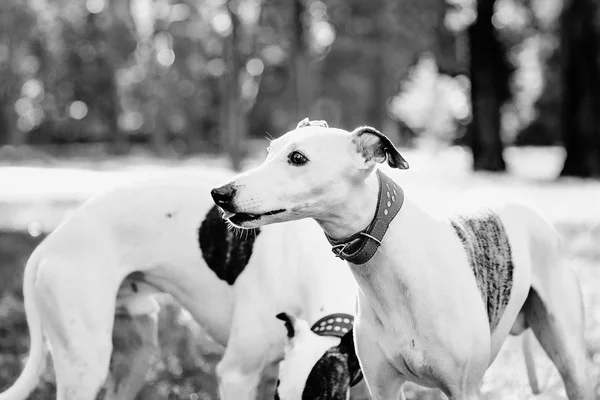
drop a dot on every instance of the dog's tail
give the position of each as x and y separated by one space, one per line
529 362
30 376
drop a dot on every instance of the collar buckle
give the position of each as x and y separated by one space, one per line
338 250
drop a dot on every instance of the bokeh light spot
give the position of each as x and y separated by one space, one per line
165 57
324 34
273 54
30 64
23 106
130 121
95 6
317 9
215 67
222 24
78 110
255 67
179 12
34 89
24 123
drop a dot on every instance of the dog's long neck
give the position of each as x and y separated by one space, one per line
355 213
386 276
396 270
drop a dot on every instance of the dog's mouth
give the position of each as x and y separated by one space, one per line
241 217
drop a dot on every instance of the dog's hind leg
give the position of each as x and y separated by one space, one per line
78 302
135 341
254 342
560 332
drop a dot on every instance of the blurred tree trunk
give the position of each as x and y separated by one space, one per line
377 110
581 96
384 76
7 122
117 142
9 86
299 50
233 123
489 90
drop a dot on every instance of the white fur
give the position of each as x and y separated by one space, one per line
72 279
420 315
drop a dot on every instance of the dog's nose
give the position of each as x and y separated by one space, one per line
223 195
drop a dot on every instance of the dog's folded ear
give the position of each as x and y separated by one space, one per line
346 347
289 323
375 146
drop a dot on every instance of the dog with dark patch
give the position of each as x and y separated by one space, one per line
120 250
437 297
313 370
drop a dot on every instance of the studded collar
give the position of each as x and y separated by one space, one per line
362 246
338 325
333 325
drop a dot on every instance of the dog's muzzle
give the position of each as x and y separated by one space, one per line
362 246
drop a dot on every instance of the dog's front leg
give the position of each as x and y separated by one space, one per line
383 380
253 344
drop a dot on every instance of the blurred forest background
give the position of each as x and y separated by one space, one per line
179 77
91 87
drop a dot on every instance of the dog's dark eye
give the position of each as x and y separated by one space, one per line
297 158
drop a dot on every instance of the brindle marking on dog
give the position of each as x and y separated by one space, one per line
225 251
488 251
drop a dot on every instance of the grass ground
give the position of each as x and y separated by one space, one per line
34 200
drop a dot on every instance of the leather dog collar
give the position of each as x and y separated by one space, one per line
333 325
361 247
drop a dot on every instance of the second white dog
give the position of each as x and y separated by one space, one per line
166 235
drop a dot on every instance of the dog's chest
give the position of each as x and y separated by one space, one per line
489 254
225 250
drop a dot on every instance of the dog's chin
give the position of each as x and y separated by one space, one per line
249 221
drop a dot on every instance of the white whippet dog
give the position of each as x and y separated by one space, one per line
166 235
437 297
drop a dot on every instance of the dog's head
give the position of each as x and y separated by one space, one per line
307 173
316 367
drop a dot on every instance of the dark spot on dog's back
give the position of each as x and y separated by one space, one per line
169 215
225 250
488 251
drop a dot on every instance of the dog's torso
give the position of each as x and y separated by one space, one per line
166 239
449 286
